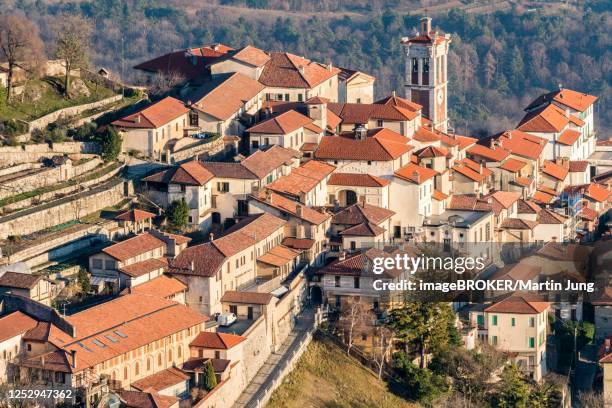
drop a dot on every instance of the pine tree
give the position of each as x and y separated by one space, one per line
178 213
210 381
514 391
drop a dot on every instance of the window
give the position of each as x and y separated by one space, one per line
532 322
97 264
255 144
494 340
531 342
148 364
223 187
415 65
125 373
494 320
287 97
136 369
300 97
358 100
337 281
217 354
513 320
379 123
480 320
353 245
29 347
279 97
356 282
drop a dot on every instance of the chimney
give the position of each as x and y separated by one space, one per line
74 362
301 69
137 119
607 345
360 132
268 195
416 176
393 93
481 168
341 256
425 25
298 210
211 237
330 67
191 266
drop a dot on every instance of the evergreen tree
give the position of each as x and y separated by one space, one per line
83 280
210 381
178 213
514 391
110 144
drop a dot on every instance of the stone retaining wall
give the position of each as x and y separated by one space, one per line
29 153
62 210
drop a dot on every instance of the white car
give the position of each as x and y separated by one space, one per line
226 319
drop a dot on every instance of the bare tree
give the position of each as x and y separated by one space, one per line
591 399
355 316
163 83
20 45
382 345
72 35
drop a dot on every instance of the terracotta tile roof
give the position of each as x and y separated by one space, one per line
471 170
135 215
313 128
597 192
179 239
547 190
190 173
521 271
285 70
576 120
465 141
469 202
547 119
365 229
181 62
281 124
513 165
229 170
279 256
505 198
161 380
449 140
225 95
578 166
217 341
565 252
309 147
357 180
154 116
488 154
116 327
569 137
542 197
263 162
400 102
362 113
14 324
358 213
302 244
162 286
303 179
333 120
424 134
588 214
19 280
143 267
134 246
438 195
555 170
416 174
247 233
523 181
522 144
255 298
139 399
518 303
251 55
432 151
572 99
550 217
528 207
201 260
356 265
288 206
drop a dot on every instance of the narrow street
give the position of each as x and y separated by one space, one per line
586 368
269 371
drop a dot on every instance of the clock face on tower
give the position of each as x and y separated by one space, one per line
440 97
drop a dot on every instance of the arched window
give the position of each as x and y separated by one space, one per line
125 373
136 369
159 359
180 352
114 375
149 364
169 356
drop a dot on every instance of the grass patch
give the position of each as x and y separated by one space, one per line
325 377
51 99
105 213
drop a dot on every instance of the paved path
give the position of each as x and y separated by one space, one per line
268 372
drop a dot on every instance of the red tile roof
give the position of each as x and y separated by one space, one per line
380 145
505 198
216 341
362 113
472 170
14 324
465 141
135 215
223 97
519 304
550 217
162 286
432 151
291 207
542 197
518 224
139 399
569 137
279 256
577 166
144 267
154 116
548 119
555 170
522 144
298 243
263 162
191 173
400 102
597 192
282 124
251 55
161 380
357 180
134 246
303 179
19 280
247 233
438 195
495 155
359 213
424 134
414 173
573 99
365 229
528 207
285 70
513 165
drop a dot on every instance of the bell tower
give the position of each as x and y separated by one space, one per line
425 78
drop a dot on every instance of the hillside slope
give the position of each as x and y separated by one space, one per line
326 377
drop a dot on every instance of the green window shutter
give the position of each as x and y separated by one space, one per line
513 322
531 342
494 320
480 320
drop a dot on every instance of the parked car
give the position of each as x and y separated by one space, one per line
226 319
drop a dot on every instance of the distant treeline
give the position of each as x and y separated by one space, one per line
498 62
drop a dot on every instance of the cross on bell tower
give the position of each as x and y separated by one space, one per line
425 78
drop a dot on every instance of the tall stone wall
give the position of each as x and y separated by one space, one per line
62 210
10 156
